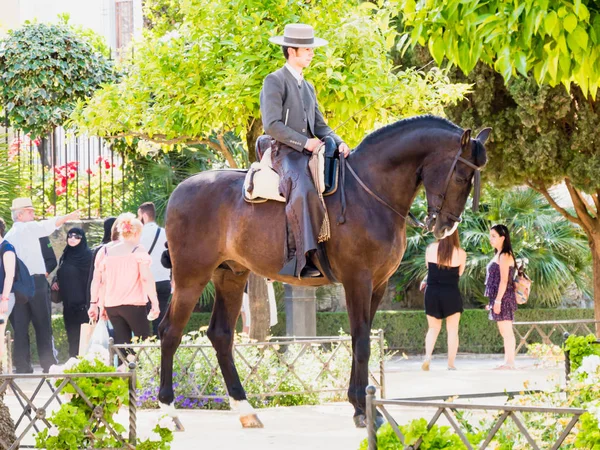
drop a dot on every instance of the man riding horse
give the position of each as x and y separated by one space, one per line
291 116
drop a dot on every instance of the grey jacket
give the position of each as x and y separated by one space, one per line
290 113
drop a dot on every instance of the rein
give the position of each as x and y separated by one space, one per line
342 218
411 218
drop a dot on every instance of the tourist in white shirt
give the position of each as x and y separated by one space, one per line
24 236
154 239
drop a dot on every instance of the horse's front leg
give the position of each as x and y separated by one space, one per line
359 291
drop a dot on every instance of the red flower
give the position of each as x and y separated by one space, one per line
106 164
61 191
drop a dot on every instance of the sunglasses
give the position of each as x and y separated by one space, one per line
75 236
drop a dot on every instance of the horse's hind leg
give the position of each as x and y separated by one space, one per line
170 330
229 290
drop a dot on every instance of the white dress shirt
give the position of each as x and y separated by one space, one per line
25 237
298 76
148 233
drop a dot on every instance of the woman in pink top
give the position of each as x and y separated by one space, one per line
123 283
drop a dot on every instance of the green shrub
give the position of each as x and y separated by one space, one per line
437 438
579 347
405 330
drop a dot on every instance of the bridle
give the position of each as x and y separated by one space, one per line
434 211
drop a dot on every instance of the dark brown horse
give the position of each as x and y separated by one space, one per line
214 234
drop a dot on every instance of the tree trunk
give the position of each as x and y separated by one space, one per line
7 426
260 317
260 324
587 216
252 134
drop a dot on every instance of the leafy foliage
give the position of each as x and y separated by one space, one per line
438 437
71 420
200 69
557 250
581 391
45 69
558 41
541 135
8 181
157 173
74 424
579 347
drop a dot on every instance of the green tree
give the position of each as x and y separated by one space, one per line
45 69
557 250
8 180
544 134
199 70
556 41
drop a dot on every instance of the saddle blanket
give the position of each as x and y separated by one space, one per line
262 182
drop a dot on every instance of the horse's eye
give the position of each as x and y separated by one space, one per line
460 180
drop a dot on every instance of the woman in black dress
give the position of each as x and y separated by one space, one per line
72 276
445 263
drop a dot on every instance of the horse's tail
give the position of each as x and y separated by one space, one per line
165 258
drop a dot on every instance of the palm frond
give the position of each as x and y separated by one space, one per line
558 252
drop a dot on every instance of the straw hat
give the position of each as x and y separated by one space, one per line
21 203
298 35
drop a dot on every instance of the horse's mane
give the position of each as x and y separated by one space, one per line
383 132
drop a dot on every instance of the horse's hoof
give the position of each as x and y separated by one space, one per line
178 425
360 421
251 421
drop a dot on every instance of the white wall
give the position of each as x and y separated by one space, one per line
9 15
99 15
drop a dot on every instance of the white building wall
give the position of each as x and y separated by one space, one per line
98 15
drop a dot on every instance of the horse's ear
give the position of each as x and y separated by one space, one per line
484 135
465 138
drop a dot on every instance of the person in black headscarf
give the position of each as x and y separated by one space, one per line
72 276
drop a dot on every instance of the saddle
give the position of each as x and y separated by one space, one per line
262 182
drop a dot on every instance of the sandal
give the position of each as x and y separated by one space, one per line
505 367
425 365
451 368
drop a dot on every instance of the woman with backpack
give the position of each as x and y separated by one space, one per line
71 283
500 290
7 274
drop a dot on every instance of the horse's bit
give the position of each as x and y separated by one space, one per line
433 212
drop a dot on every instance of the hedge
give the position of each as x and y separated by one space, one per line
404 330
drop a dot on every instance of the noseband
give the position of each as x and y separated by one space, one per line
435 211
